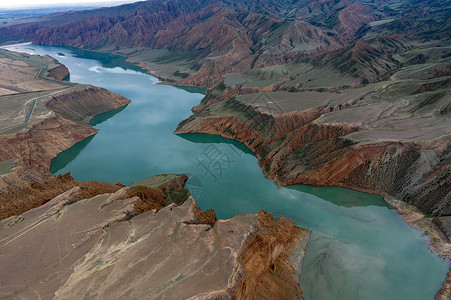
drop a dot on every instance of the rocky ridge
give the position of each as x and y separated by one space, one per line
369 142
295 148
32 149
108 254
390 138
59 73
80 106
118 249
249 37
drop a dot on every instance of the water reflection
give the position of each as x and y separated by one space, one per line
65 157
106 115
332 194
201 138
359 249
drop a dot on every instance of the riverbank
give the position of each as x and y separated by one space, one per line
438 240
32 195
319 138
439 243
238 129
362 219
231 258
259 143
365 108
56 114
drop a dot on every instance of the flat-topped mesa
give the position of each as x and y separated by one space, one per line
272 260
119 248
34 143
51 127
82 105
59 73
321 144
37 146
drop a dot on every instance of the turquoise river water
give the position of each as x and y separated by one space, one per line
359 248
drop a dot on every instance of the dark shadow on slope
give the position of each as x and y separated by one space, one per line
100 118
65 157
204 138
341 196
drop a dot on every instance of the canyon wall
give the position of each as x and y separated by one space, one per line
59 73
129 236
31 184
293 148
111 253
83 105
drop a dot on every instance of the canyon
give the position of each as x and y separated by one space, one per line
122 236
358 138
268 52
325 93
239 258
348 227
29 148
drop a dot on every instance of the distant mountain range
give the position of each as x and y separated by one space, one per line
361 88
346 93
219 37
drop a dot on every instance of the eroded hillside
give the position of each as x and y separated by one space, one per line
148 242
36 126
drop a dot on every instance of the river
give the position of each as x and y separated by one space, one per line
359 248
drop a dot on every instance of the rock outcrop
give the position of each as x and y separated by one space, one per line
35 148
82 105
31 184
297 148
191 32
59 73
117 252
196 43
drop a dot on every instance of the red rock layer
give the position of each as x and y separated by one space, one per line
293 149
22 195
35 148
31 184
268 273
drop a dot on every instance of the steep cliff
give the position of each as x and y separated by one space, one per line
325 145
42 141
59 73
35 148
32 148
196 43
302 148
118 249
82 105
270 258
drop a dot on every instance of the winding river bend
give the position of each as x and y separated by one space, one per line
359 249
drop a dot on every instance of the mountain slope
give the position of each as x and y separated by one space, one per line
222 36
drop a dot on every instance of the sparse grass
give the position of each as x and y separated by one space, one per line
299 75
168 65
132 240
96 264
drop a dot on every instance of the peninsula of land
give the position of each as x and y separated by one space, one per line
346 93
102 240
